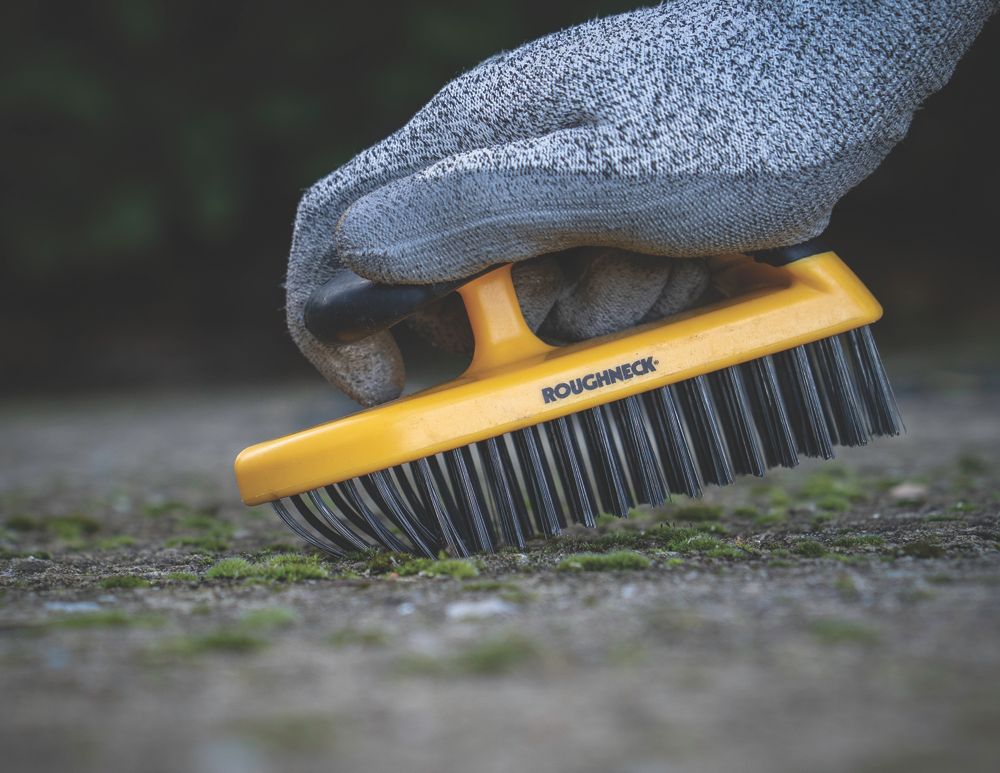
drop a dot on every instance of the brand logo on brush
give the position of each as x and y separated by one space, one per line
599 380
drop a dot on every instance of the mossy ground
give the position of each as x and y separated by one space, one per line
284 567
141 600
617 561
124 582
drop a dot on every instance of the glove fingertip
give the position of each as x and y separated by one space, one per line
370 372
360 240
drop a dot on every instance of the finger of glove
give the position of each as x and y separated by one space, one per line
429 136
688 282
538 284
444 325
493 205
615 292
369 371
313 261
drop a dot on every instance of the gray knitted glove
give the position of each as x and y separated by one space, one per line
692 128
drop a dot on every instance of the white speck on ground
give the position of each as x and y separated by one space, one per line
476 610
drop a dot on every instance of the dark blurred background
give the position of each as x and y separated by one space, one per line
154 153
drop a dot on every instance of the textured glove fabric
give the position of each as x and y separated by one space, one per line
692 128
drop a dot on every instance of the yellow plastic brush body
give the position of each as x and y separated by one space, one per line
516 380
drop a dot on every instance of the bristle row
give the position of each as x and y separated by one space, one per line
538 480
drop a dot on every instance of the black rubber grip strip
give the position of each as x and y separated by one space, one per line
782 256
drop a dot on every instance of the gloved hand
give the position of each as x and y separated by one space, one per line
693 128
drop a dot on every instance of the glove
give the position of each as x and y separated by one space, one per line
693 128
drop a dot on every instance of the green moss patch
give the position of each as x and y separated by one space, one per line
698 537
622 560
620 538
697 541
430 567
201 543
775 496
747 513
181 576
941 579
293 567
284 567
773 516
834 504
508 591
40 554
809 548
491 657
124 582
700 543
833 631
845 586
972 464
309 732
116 543
380 562
72 529
237 642
207 524
923 548
942 517
232 569
110 618
496 656
832 483
74 526
271 618
210 534
245 637
859 541
724 550
23 523
487 586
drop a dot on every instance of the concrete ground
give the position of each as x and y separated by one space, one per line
841 616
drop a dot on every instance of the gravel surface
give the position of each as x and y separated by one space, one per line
841 616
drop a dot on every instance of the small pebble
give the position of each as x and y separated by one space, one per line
909 492
474 610
72 606
31 565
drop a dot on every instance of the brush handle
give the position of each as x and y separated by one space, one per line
348 308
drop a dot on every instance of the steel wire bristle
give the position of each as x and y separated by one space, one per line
639 450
